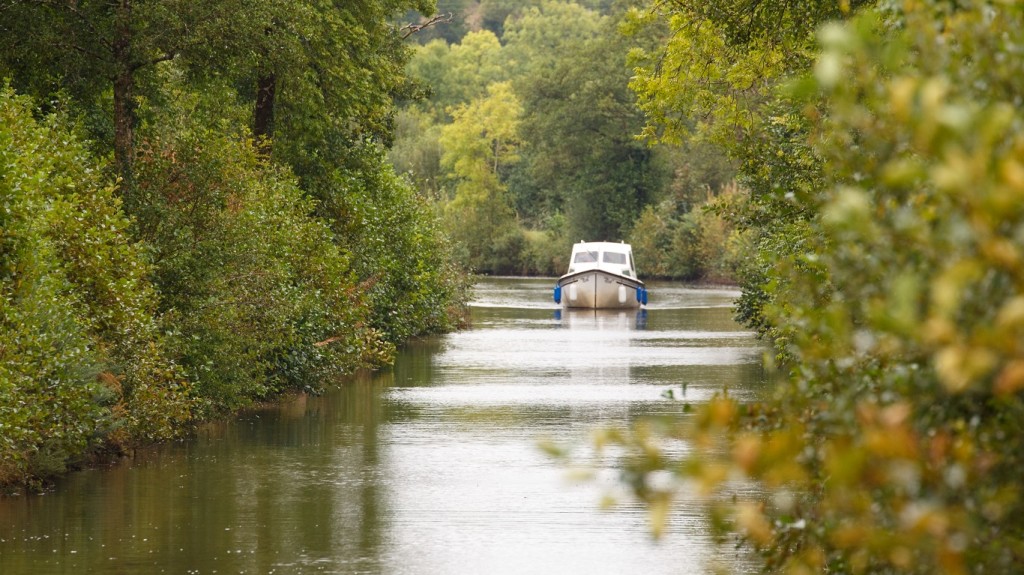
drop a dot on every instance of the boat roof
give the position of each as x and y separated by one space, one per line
602 246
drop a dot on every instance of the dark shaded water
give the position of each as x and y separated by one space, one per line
431 467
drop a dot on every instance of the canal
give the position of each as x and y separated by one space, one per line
430 467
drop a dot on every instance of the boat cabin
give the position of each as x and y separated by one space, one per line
609 256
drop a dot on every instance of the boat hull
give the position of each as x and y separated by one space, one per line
599 289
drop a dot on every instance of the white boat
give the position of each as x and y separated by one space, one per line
601 275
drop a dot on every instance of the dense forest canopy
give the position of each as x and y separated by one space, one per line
529 141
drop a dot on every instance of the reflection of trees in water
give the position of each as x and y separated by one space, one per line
293 485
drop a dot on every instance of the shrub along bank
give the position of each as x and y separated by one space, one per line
223 287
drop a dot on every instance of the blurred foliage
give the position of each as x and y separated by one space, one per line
891 443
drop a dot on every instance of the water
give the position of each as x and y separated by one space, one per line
431 467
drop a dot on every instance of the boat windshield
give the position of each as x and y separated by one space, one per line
585 257
614 258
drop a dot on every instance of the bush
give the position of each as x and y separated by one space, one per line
547 252
401 256
698 244
894 444
259 297
81 359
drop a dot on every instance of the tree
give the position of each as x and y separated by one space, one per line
401 254
454 75
321 78
478 146
338 62
581 156
535 37
457 73
417 150
258 296
716 77
893 441
88 48
341 64
212 274
582 173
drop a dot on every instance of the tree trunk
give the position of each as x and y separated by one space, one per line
263 118
124 84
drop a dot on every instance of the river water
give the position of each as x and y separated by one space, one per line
430 467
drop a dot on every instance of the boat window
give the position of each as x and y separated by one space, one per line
585 257
614 258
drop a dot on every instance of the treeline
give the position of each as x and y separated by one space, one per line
528 143
197 213
882 144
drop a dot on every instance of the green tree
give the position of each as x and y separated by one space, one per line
691 244
401 255
470 67
454 75
94 48
321 79
341 64
429 66
255 274
340 68
89 49
582 173
580 153
479 144
716 77
260 298
537 40
417 150
535 36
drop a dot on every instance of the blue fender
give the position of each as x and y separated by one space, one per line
558 294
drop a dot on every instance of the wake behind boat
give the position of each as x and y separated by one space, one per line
601 276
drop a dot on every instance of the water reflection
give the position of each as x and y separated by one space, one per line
601 318
426 468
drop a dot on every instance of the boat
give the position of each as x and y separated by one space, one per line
601 276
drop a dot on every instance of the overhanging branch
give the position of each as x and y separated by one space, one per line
410 29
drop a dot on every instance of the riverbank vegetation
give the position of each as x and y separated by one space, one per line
198 214
200 211
881 144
